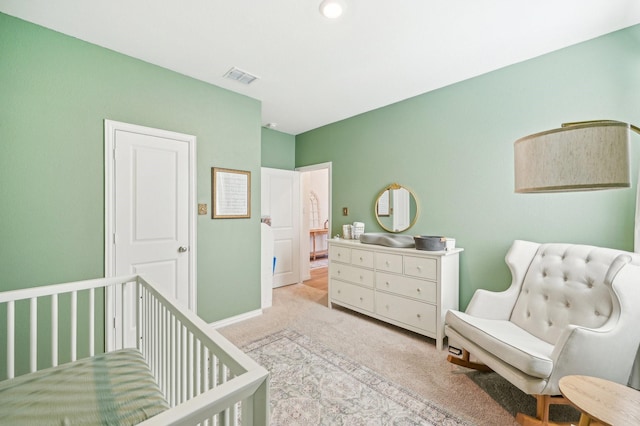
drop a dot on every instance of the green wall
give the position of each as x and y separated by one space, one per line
454 148
278 150
55 93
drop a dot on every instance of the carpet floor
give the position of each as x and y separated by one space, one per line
409 360
312 385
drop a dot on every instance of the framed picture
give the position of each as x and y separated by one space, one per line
230 193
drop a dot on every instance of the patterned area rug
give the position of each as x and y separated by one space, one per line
312 385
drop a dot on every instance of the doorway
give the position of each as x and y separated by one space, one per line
315 183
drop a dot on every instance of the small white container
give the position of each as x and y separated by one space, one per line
450 243
357 230
346 231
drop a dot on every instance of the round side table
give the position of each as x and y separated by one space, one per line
602 400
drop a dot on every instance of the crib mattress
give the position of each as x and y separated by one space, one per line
116 388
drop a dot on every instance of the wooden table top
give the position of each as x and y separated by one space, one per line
603 400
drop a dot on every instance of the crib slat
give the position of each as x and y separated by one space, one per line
233 417
54 330
204 368
223 379
165 365
175 375
156 337
92 322
197 383
139 331
184 360
33 333
109 306
190 373
169 359
11 339
74 325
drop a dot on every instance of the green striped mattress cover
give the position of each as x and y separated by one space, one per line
115 388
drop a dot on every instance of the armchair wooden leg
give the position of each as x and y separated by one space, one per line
465 362
543 402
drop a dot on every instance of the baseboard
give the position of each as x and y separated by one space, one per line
238 318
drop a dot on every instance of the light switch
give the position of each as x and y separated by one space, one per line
345 211
202 209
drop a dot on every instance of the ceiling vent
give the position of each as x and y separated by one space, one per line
240 76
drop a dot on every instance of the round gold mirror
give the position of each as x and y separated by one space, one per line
396 208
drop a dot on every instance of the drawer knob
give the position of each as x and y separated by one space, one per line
339 291
387 283
361 299
419 268
419 290
361 259
418 316
386 307
361 277
338 271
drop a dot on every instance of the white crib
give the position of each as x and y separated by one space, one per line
203 378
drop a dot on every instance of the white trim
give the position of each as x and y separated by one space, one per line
235 319
110 129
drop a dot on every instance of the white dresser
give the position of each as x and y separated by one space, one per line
410 288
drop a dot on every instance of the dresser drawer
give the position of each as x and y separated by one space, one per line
340 254
421 267
362 258
353 295
411 312
389 262
406 286
352 274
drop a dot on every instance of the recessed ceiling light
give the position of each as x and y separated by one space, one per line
241 76
331 9
271 125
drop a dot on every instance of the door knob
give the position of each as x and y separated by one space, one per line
182 249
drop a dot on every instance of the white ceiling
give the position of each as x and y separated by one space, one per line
314 71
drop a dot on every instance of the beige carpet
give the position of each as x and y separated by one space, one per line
402 357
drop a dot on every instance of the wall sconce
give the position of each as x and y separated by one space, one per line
580 156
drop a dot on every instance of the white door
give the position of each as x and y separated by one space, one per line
153 214
280 190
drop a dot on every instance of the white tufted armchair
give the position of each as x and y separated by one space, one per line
570 309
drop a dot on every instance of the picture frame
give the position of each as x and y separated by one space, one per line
230 193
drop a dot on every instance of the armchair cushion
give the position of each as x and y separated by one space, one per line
506 340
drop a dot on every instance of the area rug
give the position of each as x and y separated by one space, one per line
312 385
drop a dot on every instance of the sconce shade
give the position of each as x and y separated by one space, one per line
579 157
